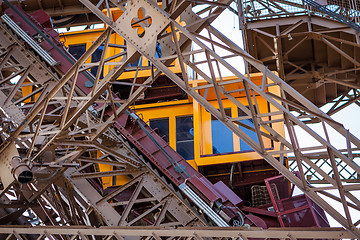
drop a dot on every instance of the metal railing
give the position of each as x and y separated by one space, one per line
346 174
345 11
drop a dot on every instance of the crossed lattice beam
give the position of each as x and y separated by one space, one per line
179 233
346 174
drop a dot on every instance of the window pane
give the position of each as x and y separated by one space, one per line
222 137
95 57
158 50
250 133
185 137
77 50
162 127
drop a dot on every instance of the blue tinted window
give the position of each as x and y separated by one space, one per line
250 133
161 126
185 137
95 57
222 137
158 50
77 50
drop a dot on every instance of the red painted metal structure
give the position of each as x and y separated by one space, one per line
293 209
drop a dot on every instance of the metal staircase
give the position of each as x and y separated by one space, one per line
323 9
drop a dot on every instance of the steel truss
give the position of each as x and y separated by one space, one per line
346 10
216 60
63 171
74 131
303 45
120 233
320 161
320 79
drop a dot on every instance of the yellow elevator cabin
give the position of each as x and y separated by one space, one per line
181 121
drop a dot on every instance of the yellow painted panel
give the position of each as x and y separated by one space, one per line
89 36
202 119
193 164
162 110
197 133
108 181
26 91
228 158
202 124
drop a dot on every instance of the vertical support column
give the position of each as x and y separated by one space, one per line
172 131
241 16
279 56
197 131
